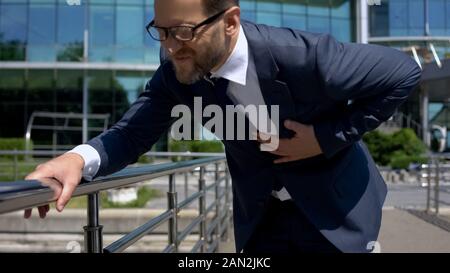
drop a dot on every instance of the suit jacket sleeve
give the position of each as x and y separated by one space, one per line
141 126
376 79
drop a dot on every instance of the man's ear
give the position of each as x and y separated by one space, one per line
232 20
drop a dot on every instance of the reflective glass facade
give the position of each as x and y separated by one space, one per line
52 30
402 24
406 18
24 91
328 16
48 31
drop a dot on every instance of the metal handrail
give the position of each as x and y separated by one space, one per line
60 152
52 115
25 194
127 240
434 171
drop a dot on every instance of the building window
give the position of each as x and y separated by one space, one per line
13 31
70 29
129 33
438 17
323 16
101 32
42 32
12 103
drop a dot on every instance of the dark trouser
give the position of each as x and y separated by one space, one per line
285 229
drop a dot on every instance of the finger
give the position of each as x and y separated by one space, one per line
66 194
285 159
27 213
265 137
268 147
32 176
53 184
281 147
261 137
276 152
40 172
294 126
42 211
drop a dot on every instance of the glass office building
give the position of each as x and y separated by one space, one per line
42 64
42 49
402 23
421 28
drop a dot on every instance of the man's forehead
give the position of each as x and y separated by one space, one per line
173 12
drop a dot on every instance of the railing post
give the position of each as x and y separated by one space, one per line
202 208
172 206
15 165
186 188
217 194
436 188
93 240
227 204
430 162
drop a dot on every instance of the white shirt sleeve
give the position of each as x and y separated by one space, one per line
91 160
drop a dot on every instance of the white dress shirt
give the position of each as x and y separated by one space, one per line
243 88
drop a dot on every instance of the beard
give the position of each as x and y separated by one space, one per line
200 62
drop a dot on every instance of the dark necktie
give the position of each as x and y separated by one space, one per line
219 87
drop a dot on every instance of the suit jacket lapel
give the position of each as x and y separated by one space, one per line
274 91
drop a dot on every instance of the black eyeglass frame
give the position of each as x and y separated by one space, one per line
172 30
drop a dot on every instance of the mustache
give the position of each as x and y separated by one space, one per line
183 53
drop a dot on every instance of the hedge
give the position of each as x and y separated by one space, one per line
11 144
195 146
397 150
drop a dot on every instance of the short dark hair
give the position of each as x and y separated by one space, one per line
215 6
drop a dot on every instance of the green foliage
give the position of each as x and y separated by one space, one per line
397 150
11 144
400 160
7 170
12 51
195 146
143 159
71 53
407 141
207 146
378 145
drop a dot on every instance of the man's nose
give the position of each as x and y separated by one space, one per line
172 45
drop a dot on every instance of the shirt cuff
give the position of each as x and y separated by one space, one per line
91 160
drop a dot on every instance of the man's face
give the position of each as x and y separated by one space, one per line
194 59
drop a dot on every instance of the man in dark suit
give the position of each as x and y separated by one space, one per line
318 189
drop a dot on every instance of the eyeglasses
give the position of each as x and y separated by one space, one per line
180 33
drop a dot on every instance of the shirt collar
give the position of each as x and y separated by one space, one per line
235 68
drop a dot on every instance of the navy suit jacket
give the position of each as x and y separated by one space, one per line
312 77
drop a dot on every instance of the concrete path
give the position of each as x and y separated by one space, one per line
401 232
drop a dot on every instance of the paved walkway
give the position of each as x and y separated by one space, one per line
400 231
